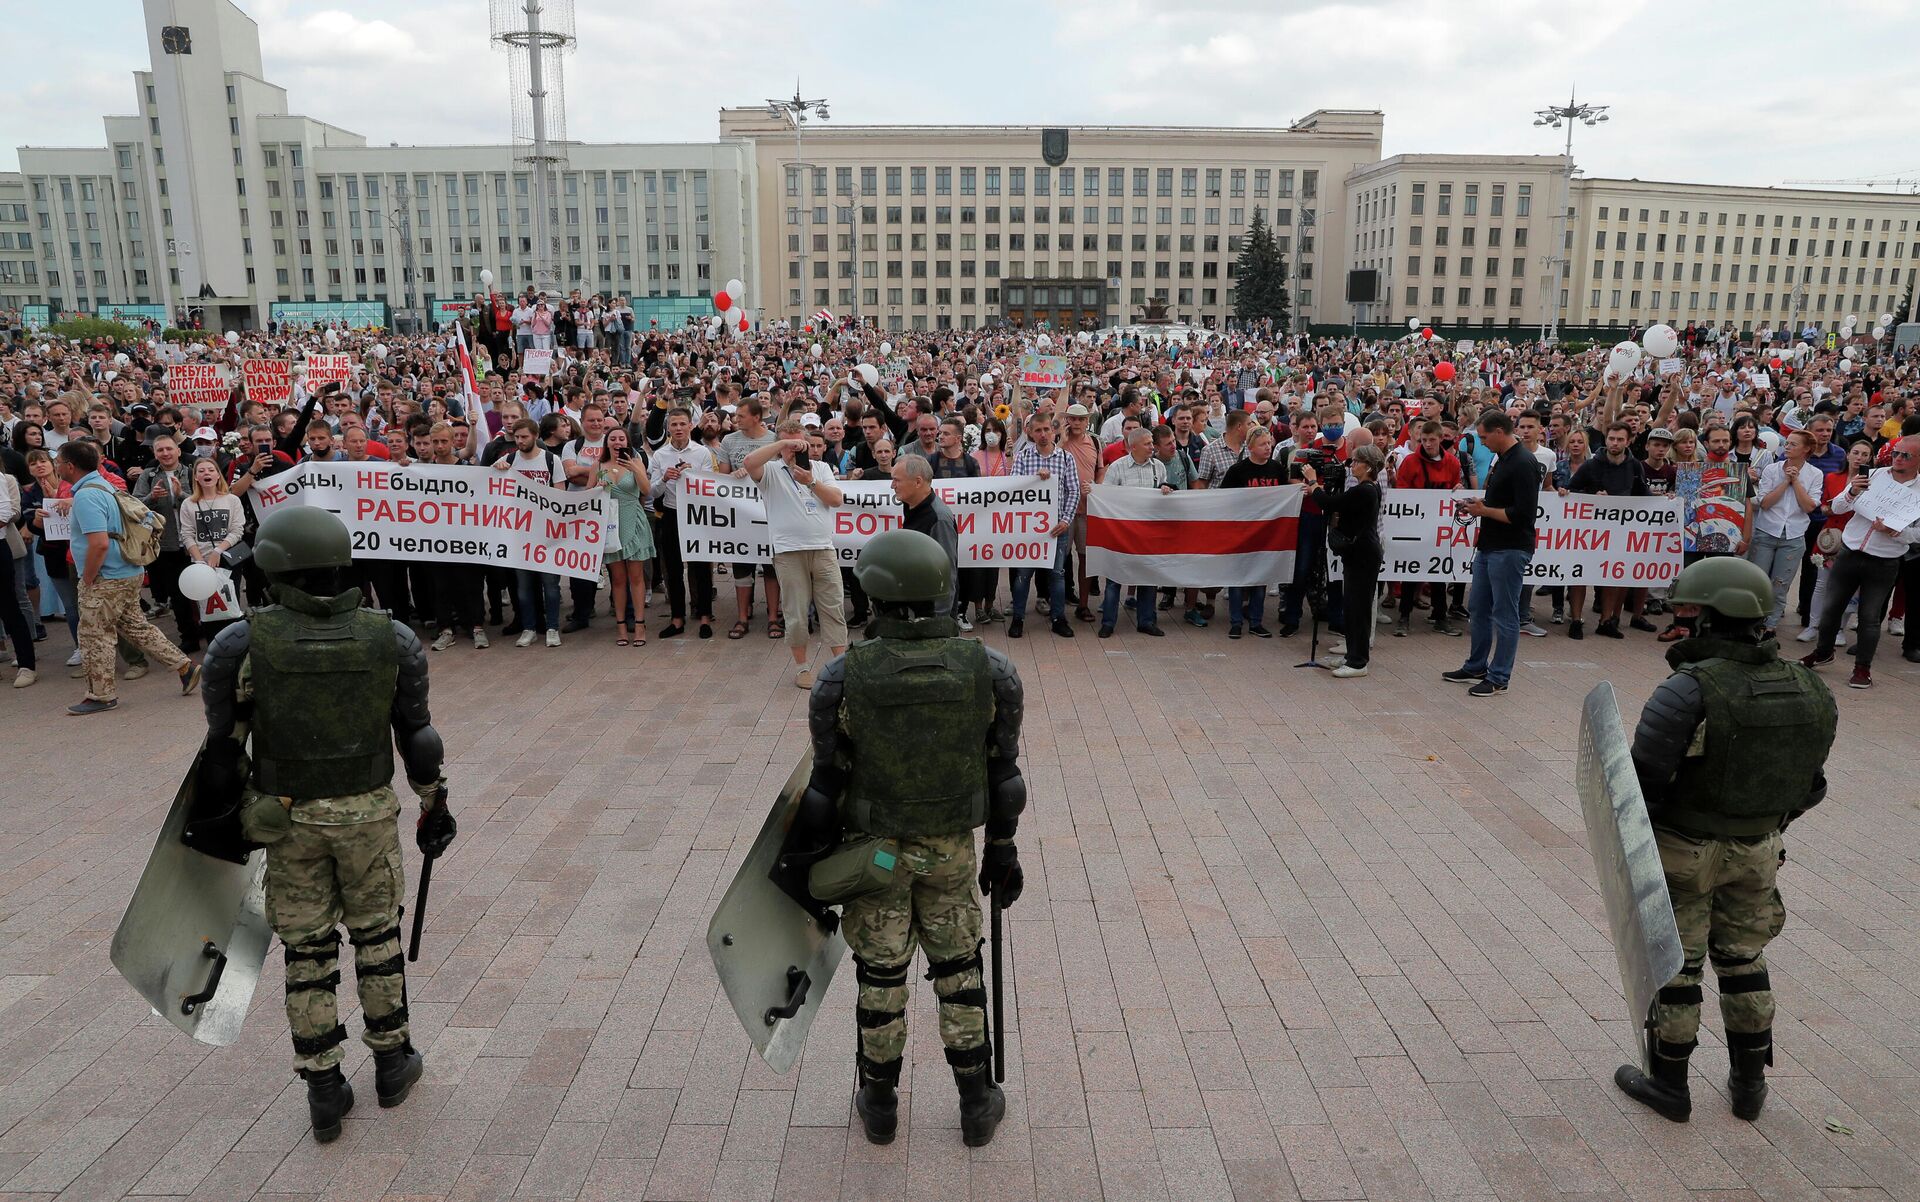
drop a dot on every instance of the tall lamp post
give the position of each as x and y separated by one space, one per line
796 111
1568 114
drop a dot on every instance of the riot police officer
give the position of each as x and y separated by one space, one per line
916 740
328 690
1729 750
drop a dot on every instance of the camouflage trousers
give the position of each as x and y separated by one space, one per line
110 617
930 904
317 878
1728 910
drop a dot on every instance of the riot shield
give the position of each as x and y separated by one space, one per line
1626 861
195 934
775 955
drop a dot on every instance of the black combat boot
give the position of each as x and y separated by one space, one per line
1749 1054
982 1106
875 1101
329 1097
395 1072
1665 1092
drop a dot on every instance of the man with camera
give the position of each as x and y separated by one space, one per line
1307 447
799 494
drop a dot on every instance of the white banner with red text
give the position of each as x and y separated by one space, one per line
447 514
1629 542
1003 521
1210 538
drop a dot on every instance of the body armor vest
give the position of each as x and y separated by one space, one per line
1767 728
323 685
917 712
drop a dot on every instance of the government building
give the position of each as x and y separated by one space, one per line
212 203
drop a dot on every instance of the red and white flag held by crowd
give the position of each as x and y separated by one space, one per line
1204 539
824 318
470 399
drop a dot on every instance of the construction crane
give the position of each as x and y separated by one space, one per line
1909 182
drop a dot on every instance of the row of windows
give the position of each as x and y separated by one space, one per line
1733 301
975 181
943 269
1416 234
1774 274
1741 246
1489 297
1162 243
1041 297
1469 200
1759 219
1465 265
1042 215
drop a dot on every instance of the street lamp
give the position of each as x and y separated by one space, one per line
1568 114
795 110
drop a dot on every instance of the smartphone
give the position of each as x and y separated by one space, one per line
803 460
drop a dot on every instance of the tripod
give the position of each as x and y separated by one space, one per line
1316 604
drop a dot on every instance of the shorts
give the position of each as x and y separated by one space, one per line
743 573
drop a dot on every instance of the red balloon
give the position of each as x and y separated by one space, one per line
1426 332
1443 372
1774 363
744 323
809 329
722 301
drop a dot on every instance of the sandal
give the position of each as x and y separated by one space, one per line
640 639
777 629
739 631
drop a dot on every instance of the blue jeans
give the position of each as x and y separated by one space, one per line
1144 598
548 584
1246 606
1056 582
1493 600
1779 558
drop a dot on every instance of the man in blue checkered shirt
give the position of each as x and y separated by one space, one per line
1044 458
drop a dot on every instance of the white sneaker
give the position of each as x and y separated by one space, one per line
1853 620
76 659
1533 631
553 638
1385 617
480 642
1807 635
526 639
445 640
1896 627
23 678
1337 647
1348 671
964 624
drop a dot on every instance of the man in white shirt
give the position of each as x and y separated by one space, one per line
799 498
1871 561
1789 491
578 459
673 459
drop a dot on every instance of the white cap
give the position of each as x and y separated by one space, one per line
810 419
206 432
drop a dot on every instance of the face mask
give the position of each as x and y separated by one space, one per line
203 452
993 440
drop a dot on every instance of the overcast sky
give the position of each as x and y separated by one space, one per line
1724 91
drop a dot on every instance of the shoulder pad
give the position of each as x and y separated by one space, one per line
232 643
834 671
406 640
1001 666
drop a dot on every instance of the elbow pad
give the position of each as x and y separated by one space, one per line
423 752
1005 804
410 710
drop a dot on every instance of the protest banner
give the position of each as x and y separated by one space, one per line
536 362
1672 366
268 381
201 387
328 369
1002 520
1632 542
1889 502
55 527
1205 539
1042 371
451 514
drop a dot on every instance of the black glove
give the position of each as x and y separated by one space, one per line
1000 875
435 829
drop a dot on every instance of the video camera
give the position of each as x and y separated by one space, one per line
1332 472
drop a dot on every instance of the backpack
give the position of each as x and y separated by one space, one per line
140 528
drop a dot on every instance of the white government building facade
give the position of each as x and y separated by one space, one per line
213 202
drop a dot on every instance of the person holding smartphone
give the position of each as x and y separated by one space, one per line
623 472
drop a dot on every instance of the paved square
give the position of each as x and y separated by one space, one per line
1283 937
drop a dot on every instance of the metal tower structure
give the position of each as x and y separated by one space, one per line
1570 114
537 35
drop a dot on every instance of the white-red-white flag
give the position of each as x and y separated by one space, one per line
1234 537
471 400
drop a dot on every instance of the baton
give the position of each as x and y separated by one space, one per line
999 1009
420 907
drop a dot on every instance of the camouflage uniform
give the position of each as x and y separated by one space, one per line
931 903
110 618
1725 905
332 859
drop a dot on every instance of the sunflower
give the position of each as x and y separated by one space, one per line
1002 412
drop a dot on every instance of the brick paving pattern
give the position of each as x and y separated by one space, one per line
1283 937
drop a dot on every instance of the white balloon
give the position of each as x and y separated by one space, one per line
817 350
869 373
198 582
1851 321
114 375
121 360
1846 365
886 348
736 290
1043 342
486 279
233 337
1413 323
1886 319
1846 352
1879 332
379 351
1660 341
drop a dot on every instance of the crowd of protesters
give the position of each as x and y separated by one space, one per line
1767 441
